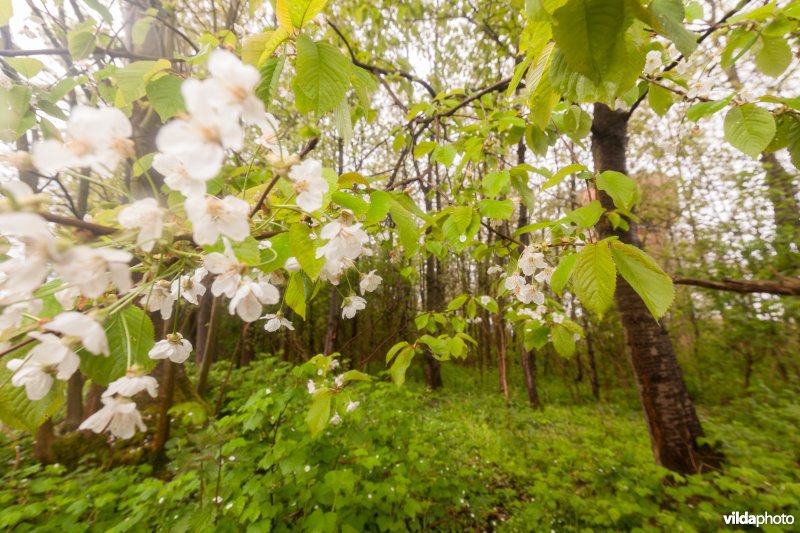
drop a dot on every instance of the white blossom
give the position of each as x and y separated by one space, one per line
351 305
369 282
199 141
160 298
177 177
276 321
146 216
12 315
544 275
292 265
352 406
96 137
514 283
530 261
494 269
174 347
231 88
50 359
66 297
92 269
190 288
312 387
250 295
119 415
345 240
227 269
21 276
652 62
530 293
73 324
132 384
309 185
212 217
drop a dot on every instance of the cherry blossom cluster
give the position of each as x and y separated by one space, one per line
192 150
532 263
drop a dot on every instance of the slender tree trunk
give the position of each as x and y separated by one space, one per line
433 301
167 390
43 445
671 417
529 372
333 322
208 355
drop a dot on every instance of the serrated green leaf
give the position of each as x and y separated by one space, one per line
494 182
322 76
562 173
594 277
645 277
563 341
749 128
401 364
302 247
670 14
496 209
406 227
164 94
619 187
588 215
320 412
562 273
295 296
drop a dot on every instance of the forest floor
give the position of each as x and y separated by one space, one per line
461 459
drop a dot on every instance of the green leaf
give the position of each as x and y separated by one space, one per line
320 412
351 202
401 364
645 277
559 176
378 207
394 349
563 341
295 296
424 148
496 209
619 187
588 215
562 273
586 32
494 182
6 12
774 56
703 109
322 76
302 11
80 43
130 336
749 128
270 72
536 337
133 78
594 277
27 67
302 248
164 94
660 99
543 97
17 411
670 14
444 154
406 227
457 302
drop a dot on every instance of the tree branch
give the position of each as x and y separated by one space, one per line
786 286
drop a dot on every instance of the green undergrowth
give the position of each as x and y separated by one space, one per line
410 460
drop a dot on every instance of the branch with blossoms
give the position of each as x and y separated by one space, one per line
73 301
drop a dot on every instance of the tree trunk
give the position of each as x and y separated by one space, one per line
43 445
208 349
433 301
333 322
529 372
671 417
167 389
502 356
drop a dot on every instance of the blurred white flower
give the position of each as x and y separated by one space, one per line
23 275
73 324
530 293
66 297
351 305
227 269
652 62
212 217
309 185
292 265
514 283
146 216
177 177
494 269
96 137
119 415
132 384
160 298
199 141
50 359
276 321
345 240
269 133
249 297
12 314
231 88
530 261
92 269
174 347
544 275
190 288
369 282
352 406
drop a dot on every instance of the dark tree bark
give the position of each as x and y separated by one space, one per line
529 372
43 444
333 322
433 301
671 417
167 390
